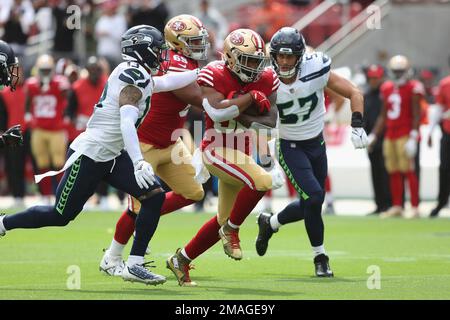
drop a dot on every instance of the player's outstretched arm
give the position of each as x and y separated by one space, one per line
174 81
348 90
128 101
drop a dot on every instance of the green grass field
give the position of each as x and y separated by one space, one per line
413 257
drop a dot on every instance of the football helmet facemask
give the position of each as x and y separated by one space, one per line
145 45
245 54
186 34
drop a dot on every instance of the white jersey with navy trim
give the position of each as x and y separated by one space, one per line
301 104
102 140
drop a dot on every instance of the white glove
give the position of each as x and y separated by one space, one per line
359 138
411 144
144 175
201 173
277 177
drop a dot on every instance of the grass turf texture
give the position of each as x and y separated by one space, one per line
413 257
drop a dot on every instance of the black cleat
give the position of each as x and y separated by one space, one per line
264 234
435 212
322 267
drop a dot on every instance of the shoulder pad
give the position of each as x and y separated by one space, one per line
135 77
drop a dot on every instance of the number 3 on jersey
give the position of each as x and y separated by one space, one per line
292 112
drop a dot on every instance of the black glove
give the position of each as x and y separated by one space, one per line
12 137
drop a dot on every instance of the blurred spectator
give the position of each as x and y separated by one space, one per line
108 30
12 112
427 78
442 116
151 12
85 94
215 23
64 36
16 17
270 17
372 109
45 102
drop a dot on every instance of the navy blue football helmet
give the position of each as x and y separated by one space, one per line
9 66
145 45
287 40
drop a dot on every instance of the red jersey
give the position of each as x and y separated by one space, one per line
87 96
15 106
219 77
167 112
47 108
443 98
398 101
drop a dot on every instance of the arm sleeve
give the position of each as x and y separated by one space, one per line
128 117
219 115
174 81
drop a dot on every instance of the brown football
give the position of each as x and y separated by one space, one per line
252 110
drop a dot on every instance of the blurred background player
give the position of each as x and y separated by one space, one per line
46 101
242 79
441 116
399 122
301 148
160 144
372 109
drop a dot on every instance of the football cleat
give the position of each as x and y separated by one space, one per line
140 273
2 227
111 265
265 232
230 241
322 266
180 267
395 211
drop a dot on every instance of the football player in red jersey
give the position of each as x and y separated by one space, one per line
45 105
243 79
188 41
400 117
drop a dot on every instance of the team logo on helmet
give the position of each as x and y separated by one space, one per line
178 26
236 38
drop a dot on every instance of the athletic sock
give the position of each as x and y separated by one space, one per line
174 202
245 202
125 227
205 238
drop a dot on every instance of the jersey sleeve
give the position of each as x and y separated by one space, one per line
179 63
207 76
440 97
318 67
269 82
135 77
418 88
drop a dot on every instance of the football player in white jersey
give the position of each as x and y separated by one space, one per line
301 147
99 152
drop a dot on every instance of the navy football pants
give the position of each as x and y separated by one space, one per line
305 164
79 183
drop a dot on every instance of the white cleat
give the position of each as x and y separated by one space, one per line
2 227
395 211
139 273
112 265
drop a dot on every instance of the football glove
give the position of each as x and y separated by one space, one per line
359 136
411 144
144 174
277 176
201 173
12 137
261 101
